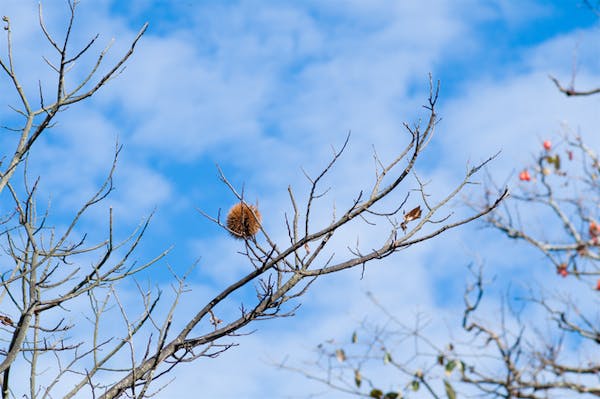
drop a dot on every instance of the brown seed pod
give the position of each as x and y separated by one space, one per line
243 220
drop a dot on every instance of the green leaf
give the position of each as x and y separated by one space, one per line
357 378
450 392
354 337
376 393
555 160
387 358
415 385
392 395
450 366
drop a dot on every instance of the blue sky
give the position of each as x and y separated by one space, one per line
263 89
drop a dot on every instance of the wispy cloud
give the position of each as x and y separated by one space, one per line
264 89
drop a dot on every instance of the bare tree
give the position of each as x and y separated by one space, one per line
52 273
543 341
561 188
594 7
536 362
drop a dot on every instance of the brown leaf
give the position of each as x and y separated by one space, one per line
340 355
357 378
6 320
413 214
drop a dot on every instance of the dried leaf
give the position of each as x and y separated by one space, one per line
376 393
387 358
413 214
450 392
357 378
354 337
340 355
6 320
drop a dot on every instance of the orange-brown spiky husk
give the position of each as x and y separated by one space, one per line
243 220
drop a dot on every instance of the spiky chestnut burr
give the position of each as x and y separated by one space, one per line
243 220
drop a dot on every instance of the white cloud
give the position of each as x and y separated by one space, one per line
265 90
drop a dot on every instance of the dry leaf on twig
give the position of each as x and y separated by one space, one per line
413 214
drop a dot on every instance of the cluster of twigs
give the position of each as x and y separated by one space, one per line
51 273
541 345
